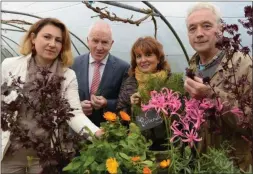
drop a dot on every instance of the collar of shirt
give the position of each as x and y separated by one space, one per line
92 60
203 66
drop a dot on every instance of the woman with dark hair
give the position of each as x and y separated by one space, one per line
147 61
45 45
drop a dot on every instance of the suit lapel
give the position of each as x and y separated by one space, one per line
107 75
84 75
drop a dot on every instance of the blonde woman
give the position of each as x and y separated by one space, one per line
46 44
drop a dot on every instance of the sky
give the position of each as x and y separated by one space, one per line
77 17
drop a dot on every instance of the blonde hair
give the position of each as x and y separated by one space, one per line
205 5
65 54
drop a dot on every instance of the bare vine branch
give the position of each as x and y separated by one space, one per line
113 17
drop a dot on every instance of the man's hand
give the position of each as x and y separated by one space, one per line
196 88
135 98
98 102
87 107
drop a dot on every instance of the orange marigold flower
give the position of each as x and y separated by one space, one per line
109 116
135 158
147 170
124 116
165 163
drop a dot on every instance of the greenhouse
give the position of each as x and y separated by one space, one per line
126 87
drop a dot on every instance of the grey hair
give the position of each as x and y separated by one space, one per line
94 24
205 5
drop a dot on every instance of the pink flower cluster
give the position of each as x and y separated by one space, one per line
163 101
189 122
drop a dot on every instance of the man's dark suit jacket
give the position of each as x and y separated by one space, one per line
114 73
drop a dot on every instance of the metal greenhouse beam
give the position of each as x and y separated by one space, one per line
3 55
9 29
9 46
12 25
10 39
75 47
26 14
5 49
26 30
170 27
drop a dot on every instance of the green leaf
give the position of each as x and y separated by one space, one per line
89 161
124 156
120 134
188 170
143 157
147 162
72 166
113 146
123 143
101 167
133 136
93 166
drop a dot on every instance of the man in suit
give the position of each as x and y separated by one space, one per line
99 74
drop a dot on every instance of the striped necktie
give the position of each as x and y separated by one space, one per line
96 78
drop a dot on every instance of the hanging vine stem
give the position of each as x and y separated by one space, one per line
106 14
129 7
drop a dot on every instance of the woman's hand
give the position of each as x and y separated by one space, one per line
135 98
99 133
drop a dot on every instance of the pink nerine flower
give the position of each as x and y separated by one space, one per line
191 137
219 105
173 101
164 101
207 104
238 112
191 104
197 116
157 102
176 131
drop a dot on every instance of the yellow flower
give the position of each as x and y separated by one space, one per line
165 163
135 158
147 170
112 165
124 116
109 116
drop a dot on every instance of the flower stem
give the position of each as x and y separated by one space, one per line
168 132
